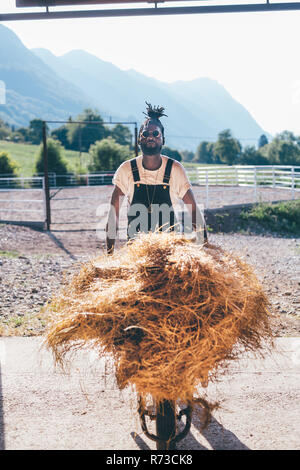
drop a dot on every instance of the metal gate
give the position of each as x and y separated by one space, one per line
22 201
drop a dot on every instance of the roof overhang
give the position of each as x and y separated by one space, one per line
150 8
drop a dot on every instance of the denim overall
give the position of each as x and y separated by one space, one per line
156 202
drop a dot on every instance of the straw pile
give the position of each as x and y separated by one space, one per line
171 313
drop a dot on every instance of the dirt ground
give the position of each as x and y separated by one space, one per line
33 263
43 409
84 207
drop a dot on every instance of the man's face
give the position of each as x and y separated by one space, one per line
151 139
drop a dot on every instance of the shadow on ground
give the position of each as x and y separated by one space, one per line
218 437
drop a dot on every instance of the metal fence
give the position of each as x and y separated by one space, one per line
275 177
71 179
12 182
22 200
271 176
56 181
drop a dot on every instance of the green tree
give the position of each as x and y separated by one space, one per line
287 136
61 134
282 152
7 165
121 134
252 156
35 131
24 133
172 153
56 161
82 136
227 148
262 141
187 155
204 153
5 130
107 154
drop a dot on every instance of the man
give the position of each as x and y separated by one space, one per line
151 182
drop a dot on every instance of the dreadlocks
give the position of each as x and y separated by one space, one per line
153 113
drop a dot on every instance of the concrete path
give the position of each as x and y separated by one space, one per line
42 408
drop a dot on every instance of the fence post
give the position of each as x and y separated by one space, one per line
44 197
255 184
199 174
207 184
293 182
273 176
46 178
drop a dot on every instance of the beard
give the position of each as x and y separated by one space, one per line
150 150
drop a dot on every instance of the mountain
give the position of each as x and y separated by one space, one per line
32 88
40 84
197 109
209 99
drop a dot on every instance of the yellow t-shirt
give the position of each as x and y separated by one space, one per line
179 182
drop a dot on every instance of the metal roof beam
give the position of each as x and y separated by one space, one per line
154 11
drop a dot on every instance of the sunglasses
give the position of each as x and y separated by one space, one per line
148 133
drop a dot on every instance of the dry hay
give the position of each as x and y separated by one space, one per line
171 312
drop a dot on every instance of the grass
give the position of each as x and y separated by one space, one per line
29 324
23 154
282 218
9 254
26 154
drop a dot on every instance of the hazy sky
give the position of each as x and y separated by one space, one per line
255 56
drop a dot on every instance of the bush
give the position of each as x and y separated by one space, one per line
283 217
172 153
107 154
7 165
56 161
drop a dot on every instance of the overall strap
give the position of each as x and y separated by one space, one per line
135 170
168 169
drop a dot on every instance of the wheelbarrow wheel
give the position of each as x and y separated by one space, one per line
165 425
